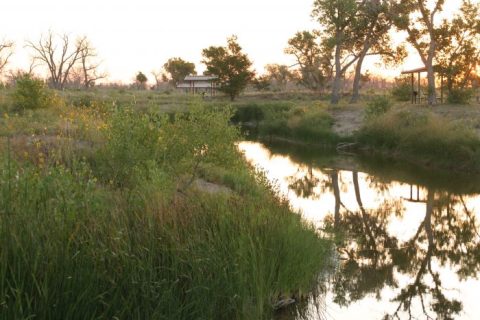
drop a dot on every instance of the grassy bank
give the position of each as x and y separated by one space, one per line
420 136
100 218
441 137
308 122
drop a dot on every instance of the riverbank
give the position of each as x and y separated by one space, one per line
103 215
443 137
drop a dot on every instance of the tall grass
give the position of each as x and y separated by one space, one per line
309 122
421 136
77 243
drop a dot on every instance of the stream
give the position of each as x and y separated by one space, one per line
407 238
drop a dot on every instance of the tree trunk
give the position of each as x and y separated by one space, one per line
337 80
428 219
336 193
357 78
432 94
365 217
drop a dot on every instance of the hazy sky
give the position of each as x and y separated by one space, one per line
140 35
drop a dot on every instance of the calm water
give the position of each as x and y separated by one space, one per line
410 238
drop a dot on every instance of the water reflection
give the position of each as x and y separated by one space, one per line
409 248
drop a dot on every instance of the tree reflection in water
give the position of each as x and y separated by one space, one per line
447 237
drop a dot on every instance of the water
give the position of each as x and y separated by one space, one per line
408 240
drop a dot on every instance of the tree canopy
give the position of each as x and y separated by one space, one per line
177 69
231 65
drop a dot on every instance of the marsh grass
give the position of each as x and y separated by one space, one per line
421 136
304 121
107 234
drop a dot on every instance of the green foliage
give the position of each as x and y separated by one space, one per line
119 241
423 137
178 69
459 96
130 150
457 43
141 79
199 136
313 57
231 65
251 112
31 93
402 91
378 106
312 124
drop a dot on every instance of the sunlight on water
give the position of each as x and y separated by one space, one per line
411 247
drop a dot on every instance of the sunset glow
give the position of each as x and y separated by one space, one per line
141 35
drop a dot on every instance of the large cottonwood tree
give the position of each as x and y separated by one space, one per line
418 19
371 29
313 59
337 18
459 46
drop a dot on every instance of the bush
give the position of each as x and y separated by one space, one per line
31 93
402 92
306 124
459 96
247 113
377 106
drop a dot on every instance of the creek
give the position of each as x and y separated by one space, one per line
407 239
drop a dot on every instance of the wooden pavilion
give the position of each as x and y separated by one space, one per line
199 84
418 95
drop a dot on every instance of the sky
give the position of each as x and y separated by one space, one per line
141 35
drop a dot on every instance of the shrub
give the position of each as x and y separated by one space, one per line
402 92
459 96
377 106
31 93
130 148
249 112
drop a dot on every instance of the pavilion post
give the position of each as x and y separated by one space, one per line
412 92
441 88
419 93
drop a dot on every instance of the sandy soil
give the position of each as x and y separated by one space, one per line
346 119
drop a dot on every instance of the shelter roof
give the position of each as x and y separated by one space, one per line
200 78
422 69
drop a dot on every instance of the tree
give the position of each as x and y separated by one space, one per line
372 26
87 71
177 69
59 62
262 83
417 18
231 65
6 51
141 80
279 74
313 58
337 17
458 46
30 93
158 76
89 65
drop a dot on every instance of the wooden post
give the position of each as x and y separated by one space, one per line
441 88
413 89
419 93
